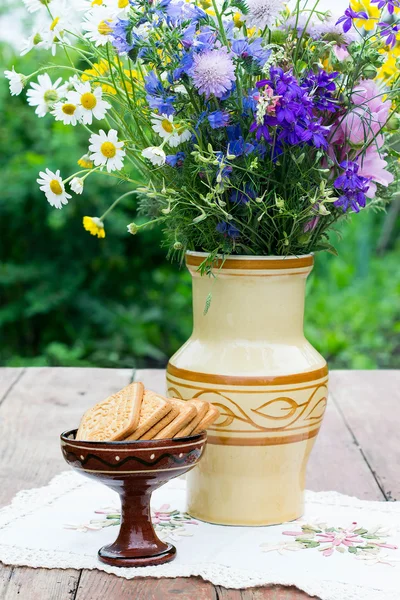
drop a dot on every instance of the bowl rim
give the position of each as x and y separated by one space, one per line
199 437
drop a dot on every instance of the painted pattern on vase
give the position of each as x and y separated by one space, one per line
248 355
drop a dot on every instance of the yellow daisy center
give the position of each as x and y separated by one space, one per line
85 162
167 125
104 28
68 109
88 100
54 23
56 187
98 2
108 149
123 3
50 96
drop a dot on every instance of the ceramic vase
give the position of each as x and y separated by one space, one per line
248 355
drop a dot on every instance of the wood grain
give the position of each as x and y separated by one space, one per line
356 453
370 404
94 585
41 584
276 592
44 403
8 378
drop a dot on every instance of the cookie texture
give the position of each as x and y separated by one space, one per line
211 416
151 433
154 409
114 418
202 408
187 412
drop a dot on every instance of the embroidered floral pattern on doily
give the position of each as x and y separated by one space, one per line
169 524
363 544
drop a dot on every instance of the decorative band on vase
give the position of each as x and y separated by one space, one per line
253 264
243 380
257 411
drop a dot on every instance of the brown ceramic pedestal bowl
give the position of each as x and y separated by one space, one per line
134 470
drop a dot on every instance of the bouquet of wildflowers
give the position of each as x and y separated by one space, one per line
243 126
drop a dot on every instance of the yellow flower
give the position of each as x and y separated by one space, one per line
238 20
85 162
100 69
389 71
94 226
372 11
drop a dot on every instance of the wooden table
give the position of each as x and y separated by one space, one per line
356 453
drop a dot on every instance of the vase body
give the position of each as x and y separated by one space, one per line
248 355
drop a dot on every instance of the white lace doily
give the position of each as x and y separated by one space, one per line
342 549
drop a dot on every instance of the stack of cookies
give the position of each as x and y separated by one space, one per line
135 413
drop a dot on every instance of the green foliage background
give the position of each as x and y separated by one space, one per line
67 298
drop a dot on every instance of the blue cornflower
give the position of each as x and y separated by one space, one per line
353 187
389 4
347 18
219 118
389 33
253 50
237 146
243 197
157 96
175 160
120 31
228 230
182 11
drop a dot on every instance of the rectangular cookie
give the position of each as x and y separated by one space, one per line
211 416
186 414
114 418
151 433
202 407
154 408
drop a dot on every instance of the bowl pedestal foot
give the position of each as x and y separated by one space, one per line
137 544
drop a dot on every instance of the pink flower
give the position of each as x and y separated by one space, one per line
374 166
340 52
369 115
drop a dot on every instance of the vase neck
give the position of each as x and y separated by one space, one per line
250 305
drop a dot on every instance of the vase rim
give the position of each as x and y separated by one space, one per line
251 256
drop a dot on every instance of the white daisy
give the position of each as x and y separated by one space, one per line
107 150
35 40
163 125
98 25
44 94
17 82
76 185
67 112
119 8
52 185
155 154
180 135
54 35
35 5
90 102
263 13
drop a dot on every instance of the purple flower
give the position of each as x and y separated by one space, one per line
219 118
321 88
347 18
254 50
354 187
389 32
228 230
243 197
213 72
175 160
389 4
182 11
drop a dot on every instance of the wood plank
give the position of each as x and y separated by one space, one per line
45 402
335 449
40 584
276 592
8 378
94 585
369 402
